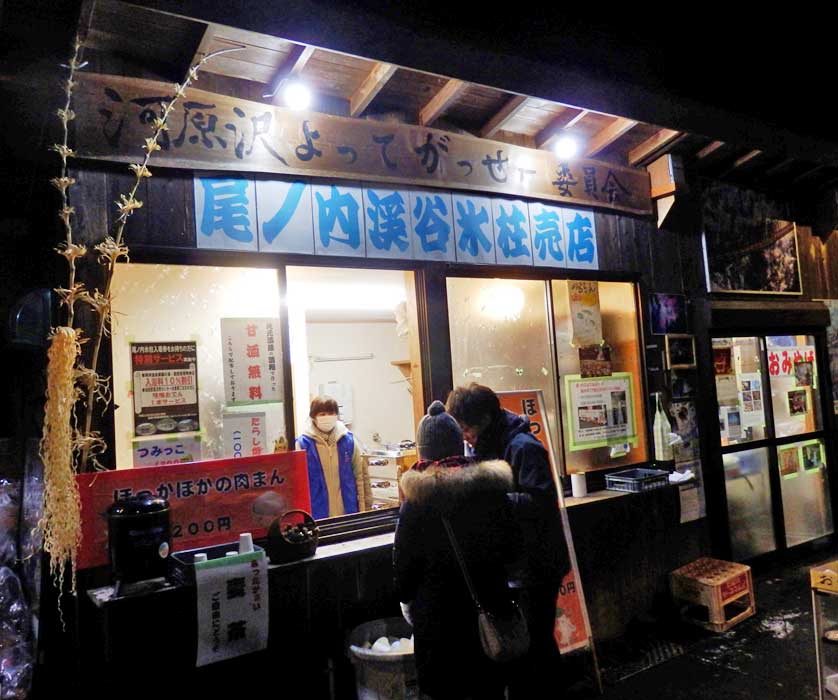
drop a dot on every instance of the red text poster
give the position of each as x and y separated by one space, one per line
211 502
165 383
572 630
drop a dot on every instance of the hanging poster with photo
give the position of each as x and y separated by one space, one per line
832 346
251 353
751 399
789 461
601 411
585 317
165 387
812 455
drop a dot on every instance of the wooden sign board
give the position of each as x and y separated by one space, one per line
208 131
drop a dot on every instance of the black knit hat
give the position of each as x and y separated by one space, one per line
438 435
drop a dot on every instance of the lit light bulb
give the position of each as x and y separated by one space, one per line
296 95
566 147
502 302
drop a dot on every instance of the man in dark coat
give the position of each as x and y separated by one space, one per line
495 433
472 495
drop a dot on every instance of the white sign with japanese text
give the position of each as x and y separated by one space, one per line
432 225
339 220
232 599
245 434
297 216
250 353
225 213
160 451
285 223
474 231
387 228
513 241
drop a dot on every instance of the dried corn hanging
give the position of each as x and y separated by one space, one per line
61 522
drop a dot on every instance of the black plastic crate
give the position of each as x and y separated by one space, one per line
636 480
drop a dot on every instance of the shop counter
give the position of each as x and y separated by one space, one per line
313 604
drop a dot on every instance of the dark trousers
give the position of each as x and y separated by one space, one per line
538 674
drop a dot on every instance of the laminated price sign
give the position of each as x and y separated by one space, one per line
232 598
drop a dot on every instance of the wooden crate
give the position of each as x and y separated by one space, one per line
710 585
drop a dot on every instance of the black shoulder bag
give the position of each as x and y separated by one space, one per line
504 636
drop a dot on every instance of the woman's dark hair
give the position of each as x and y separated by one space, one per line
474 404
323 404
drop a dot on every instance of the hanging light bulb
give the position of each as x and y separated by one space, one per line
566 147
296 95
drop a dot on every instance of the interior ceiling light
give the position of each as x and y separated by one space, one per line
296 95
566 147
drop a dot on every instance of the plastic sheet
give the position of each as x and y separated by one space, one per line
16 654
9 512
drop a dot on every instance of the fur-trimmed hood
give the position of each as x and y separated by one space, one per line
439 483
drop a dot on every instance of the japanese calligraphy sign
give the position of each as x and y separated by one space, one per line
157 452
215 132
296 216
251 351
245 434
513 242
474 230
339 220
211 502
165 385
232 599
572 629
387 230
285 224
225 213
600 411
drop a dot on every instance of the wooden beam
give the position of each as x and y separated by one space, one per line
565 119
747 158
807 174
291 66
203 47
653 146
605 137
780 167
514 105
709 149
441 101
372 85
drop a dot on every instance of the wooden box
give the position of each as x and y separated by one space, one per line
716 594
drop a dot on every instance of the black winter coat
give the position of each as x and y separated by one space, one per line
449 659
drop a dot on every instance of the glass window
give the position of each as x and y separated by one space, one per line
737 363
611 375
500 337
806 508
795 390
353 337
748 489
158 306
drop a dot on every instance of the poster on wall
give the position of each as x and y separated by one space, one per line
165 385
159 451
832 345
601 411
572 629
751 399
585 317
245 434
251 354
749 254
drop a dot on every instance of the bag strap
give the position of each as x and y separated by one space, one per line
461 561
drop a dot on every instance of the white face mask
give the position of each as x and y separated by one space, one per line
326 423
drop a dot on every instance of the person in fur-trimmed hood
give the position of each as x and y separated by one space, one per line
450 661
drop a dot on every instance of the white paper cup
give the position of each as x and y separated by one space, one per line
245 543
578 485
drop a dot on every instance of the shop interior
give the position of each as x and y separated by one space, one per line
353 337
